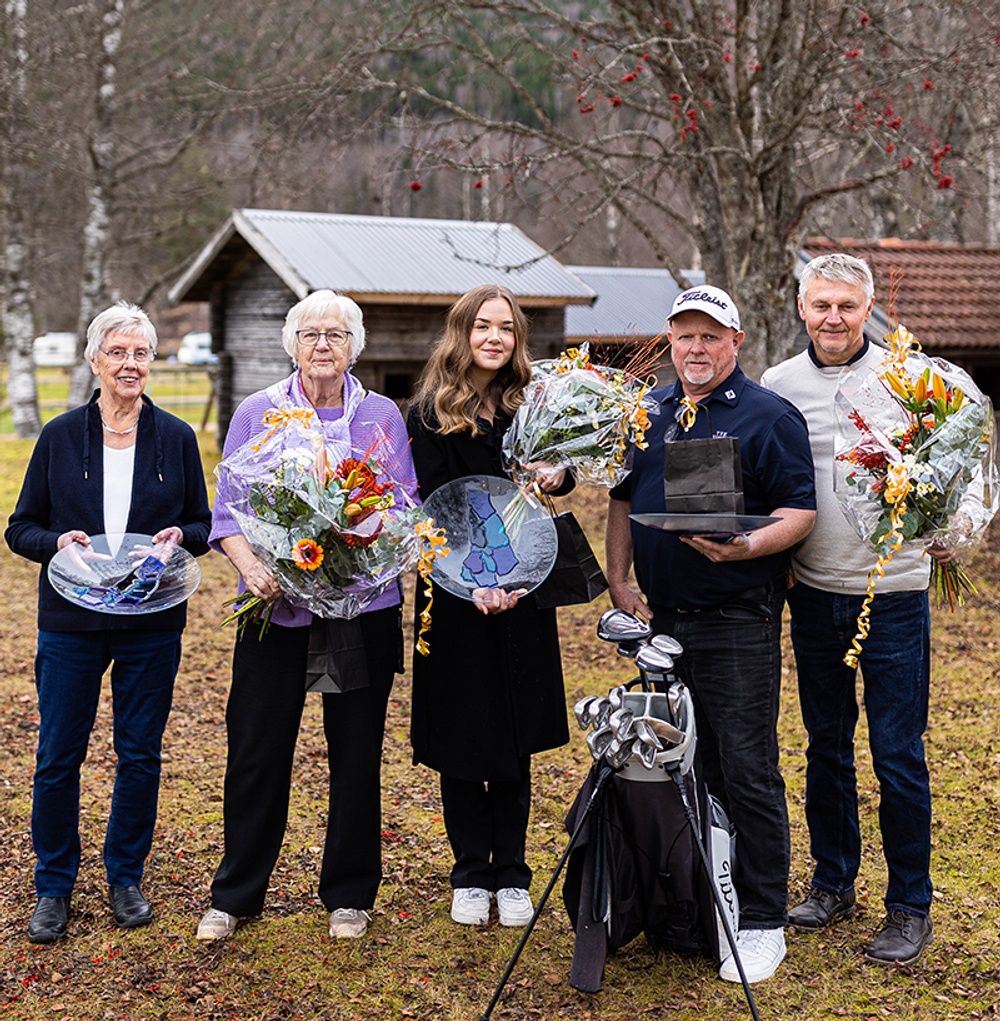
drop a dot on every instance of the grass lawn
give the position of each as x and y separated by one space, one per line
415 964
181 389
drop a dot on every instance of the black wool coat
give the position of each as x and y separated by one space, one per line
491 691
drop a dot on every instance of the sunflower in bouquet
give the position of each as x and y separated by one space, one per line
582 416
916 462
335 530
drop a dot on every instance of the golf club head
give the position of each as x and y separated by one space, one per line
645 733
667 644
645 753
598 741
620 756
622 723
615 696
654 667
628 631
582 711
666 733
603 716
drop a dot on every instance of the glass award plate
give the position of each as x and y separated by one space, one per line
500 536
138 578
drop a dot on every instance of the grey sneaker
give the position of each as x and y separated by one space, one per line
470 905
217 925
515 906
348 923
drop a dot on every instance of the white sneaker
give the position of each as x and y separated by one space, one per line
348 923
470 906
760 950
217 925
515 906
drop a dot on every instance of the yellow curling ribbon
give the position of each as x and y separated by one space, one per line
278 418
688 412
433 547
897 488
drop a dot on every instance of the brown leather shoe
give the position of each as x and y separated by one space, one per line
901 940
822 908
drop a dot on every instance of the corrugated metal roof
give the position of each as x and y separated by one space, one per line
630 302
393 258
949 294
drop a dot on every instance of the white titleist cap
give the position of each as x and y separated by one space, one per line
713 301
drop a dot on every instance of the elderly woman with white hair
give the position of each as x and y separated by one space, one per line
324 335
118 464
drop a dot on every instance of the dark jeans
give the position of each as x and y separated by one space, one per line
69 668
895 668
732 663
487 824
262 726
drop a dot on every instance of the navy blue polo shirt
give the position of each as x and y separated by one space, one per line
777 472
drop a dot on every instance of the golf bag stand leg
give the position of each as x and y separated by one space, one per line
603 771
674 769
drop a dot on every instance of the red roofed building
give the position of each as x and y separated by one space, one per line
949 298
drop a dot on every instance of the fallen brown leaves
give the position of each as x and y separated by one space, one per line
415 964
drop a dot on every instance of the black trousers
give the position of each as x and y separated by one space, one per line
487 824
262 723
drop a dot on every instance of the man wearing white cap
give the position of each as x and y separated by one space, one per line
722 597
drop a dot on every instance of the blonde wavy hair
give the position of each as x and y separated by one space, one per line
445 391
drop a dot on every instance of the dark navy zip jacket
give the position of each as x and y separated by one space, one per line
64 489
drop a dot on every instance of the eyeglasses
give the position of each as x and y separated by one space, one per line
335 338
118 355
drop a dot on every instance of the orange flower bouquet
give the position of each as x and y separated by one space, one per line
334 530
582 416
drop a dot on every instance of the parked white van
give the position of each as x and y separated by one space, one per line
196 349
55 349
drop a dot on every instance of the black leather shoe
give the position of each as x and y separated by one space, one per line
821 909
48 923
901 940
131 909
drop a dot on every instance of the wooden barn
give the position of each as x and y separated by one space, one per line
404 273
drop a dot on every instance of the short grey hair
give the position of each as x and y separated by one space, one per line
838 266
122 317
318 304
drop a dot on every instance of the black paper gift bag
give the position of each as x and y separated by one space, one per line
703 476
576 576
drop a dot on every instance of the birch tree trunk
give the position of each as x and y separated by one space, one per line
17 318
94 285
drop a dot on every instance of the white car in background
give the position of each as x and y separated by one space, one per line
55 349
196 349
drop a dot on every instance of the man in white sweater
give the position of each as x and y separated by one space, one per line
836 294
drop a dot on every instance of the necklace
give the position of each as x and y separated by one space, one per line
118 432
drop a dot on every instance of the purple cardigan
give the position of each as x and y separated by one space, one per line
375 420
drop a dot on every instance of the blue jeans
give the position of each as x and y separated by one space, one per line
732 663
69 668
895 668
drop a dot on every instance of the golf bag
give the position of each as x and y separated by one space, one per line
636 868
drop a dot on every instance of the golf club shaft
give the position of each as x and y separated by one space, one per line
603 772
675 775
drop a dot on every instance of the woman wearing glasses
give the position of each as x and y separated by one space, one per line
118 464
324 335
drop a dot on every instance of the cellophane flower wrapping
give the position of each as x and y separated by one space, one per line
334 527
580 416
917 435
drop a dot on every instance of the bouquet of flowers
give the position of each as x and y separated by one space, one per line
335 529
916 461
581 416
